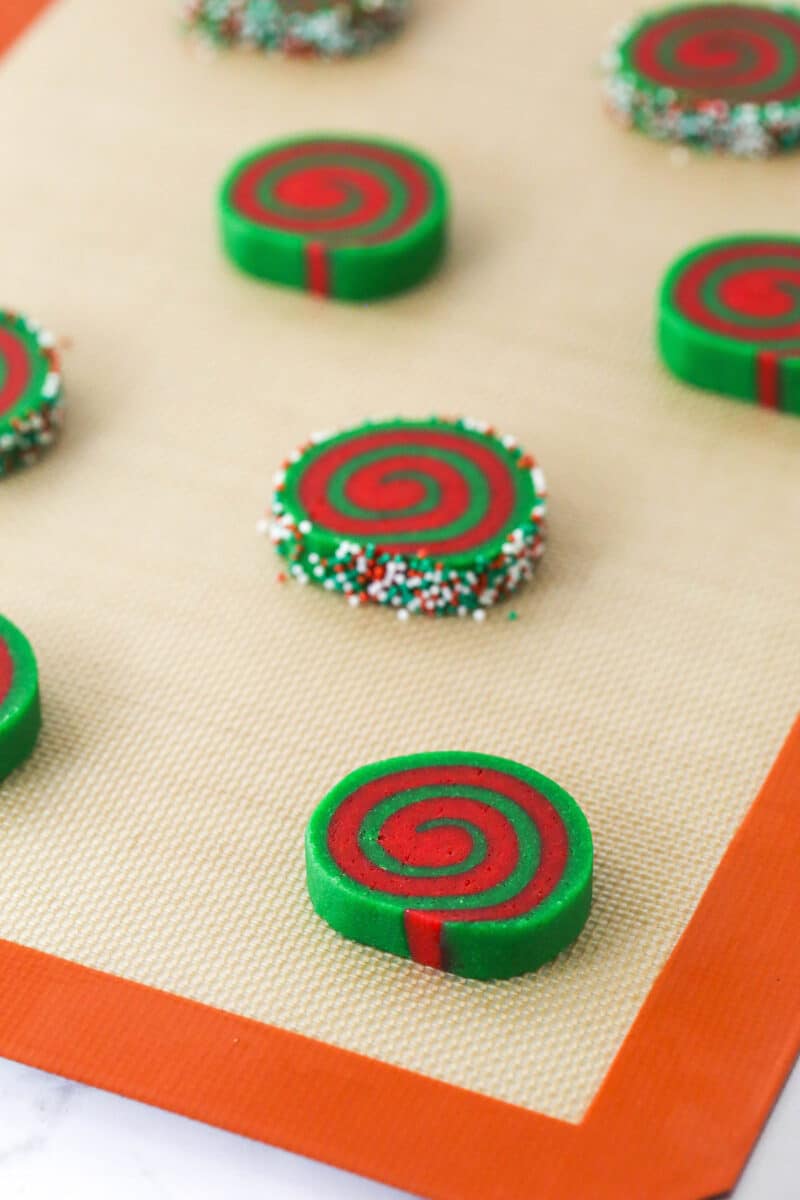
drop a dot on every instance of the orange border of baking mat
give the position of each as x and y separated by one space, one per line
674 1119
16 16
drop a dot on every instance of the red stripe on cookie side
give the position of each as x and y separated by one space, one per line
6 671
424 936
318 274
768 379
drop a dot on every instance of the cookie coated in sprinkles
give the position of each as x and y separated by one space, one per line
297 27
31 394
437 517
723 77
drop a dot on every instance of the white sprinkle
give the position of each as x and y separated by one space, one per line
52 383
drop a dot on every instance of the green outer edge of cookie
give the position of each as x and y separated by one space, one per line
650 100
475 950
23 436
715 361
20 714
357 273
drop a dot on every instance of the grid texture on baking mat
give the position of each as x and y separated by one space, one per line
195 709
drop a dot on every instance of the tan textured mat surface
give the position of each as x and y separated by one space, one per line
196 710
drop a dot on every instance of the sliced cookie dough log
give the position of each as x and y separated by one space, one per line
30 391
434 517
20 715
729 319
347 217
466 862
717 76
329 28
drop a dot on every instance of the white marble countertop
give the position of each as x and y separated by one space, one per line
63 1139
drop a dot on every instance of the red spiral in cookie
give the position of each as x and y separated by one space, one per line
748 290
334 191
730 52
412 487
6 671
450 842
15 368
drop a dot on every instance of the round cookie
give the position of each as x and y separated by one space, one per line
729 319
466 862
300 27
720 76
338 216
20 716
433 517
30 391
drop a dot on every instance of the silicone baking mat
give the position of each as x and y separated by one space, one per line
196 709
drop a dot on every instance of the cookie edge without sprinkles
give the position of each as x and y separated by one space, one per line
448 585
481 949
20 709
355 273
717 362
39 414
743 129
297 34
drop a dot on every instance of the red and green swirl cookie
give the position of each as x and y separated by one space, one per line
433 517
30 391
729 319
20 716
722 76
466 862
338 216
